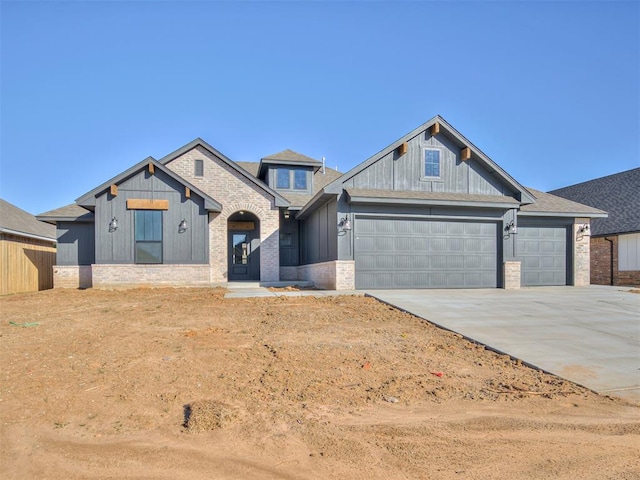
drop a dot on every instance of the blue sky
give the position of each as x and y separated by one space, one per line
549 90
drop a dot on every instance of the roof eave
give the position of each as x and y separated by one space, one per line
563 214
26 235
318 199
425 201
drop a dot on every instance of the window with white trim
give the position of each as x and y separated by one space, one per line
431 163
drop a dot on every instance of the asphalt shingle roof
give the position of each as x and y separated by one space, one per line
548 203
618 194
68 212
17 220
291 156
416 195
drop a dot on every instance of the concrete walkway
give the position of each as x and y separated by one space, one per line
589 335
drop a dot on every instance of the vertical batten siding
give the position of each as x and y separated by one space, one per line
118 247
26 265
320 232
405 172
76 243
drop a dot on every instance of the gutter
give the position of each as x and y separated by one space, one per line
27 235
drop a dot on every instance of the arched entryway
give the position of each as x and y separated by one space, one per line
243 232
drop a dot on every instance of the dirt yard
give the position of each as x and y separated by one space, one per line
183 384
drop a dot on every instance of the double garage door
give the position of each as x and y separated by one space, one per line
417 253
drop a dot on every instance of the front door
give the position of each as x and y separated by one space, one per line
243 257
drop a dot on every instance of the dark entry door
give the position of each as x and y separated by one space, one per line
243 256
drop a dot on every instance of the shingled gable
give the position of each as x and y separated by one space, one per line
88 200
279 200
288 157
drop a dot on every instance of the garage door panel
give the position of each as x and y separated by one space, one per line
425 253
543 255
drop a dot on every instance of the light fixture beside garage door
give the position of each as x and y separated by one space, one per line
345 224
510 229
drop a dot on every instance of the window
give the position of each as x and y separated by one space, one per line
282 180
286 177
629 252
199 168
300 179
286 239
431 163
148 230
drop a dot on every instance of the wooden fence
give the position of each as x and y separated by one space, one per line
26 265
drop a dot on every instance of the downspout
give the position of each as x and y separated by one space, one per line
610 259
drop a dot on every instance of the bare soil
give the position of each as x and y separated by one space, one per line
184 384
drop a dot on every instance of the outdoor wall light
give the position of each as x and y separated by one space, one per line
183 226
345 224
113 225
511 229
287 214
584 229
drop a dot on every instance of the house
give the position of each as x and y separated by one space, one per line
615 240
27 251
428 211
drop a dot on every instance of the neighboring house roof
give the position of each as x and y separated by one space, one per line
491 167
89 198
280 201
552 205
16 221
361 195
68 213
618 194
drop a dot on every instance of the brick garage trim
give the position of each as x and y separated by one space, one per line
107 276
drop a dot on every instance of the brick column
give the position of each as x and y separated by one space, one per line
581 255
511 275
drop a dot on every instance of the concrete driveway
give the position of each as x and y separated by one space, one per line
589 335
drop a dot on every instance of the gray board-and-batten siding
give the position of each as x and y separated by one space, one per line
118 247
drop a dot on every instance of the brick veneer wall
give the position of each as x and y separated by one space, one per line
72 276
511 275
604 256
235 193
581 254
333 275
106 276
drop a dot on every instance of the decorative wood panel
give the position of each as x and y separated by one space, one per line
147 204
242 226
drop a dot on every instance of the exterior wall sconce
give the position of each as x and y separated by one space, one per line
183 226
345 224
584 230
113 225
511 229
287 214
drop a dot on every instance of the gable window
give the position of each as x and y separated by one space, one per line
199 168
148 236
431 163
282 180
300 179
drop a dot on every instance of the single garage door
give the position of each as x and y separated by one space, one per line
413 253
543 255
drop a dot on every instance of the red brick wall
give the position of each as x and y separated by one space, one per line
602 252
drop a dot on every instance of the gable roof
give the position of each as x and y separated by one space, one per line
618 194
16 221
279 200
287 157
68 213
552 205
89 199
491 167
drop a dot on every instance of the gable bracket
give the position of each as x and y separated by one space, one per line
435 129
113 190
151 168
402 149
465 154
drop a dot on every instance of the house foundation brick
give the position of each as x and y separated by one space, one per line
334 275
511 275
109 276
72 276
